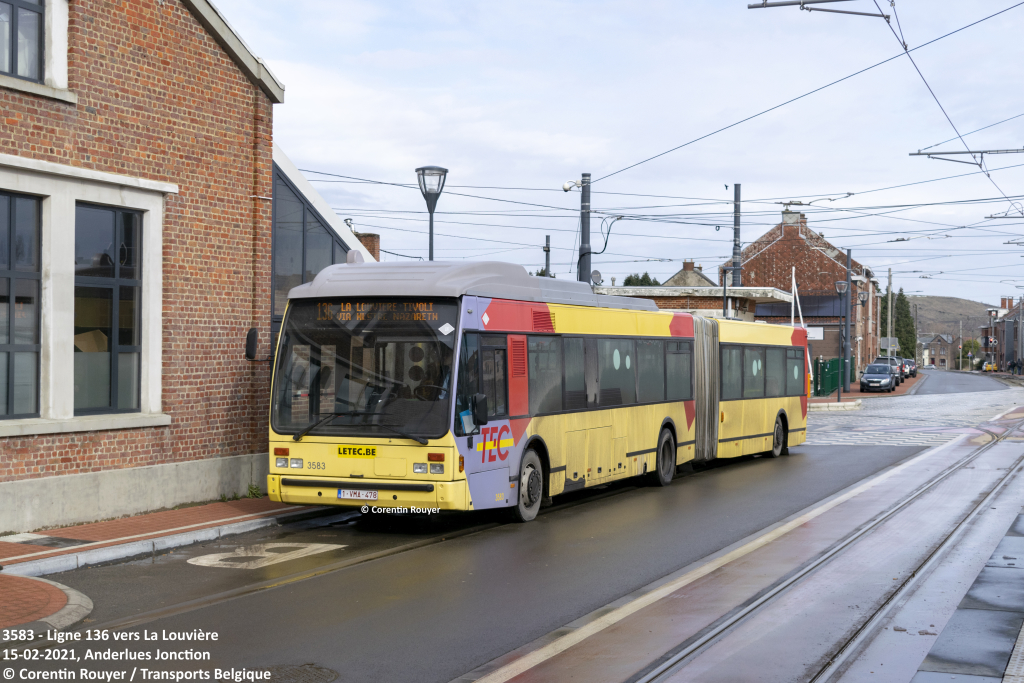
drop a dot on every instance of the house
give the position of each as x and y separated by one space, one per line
147 221
690 277
769 261
1003 338
940 351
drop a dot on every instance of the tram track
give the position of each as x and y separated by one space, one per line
677 660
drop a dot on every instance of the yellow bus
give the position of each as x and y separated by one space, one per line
470 386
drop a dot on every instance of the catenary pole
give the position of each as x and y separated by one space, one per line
888 339
547 255
584 269
961 345
849 312
737 280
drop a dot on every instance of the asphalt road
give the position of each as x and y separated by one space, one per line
435 612
943 382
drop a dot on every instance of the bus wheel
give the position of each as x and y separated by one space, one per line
778 439
665 467
531 488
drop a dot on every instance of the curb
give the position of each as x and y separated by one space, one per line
824 407
78 607
72 561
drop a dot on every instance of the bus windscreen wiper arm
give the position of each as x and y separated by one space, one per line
417 439
313 425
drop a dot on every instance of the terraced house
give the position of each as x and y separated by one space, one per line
139 241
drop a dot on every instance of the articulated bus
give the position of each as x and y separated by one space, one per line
470 386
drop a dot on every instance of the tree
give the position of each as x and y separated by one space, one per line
903 327
542 273
637 280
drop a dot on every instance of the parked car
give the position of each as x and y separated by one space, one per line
895 363
989 367
912 367
878 377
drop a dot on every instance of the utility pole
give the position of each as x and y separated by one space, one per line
961 345
916 332
849 312
888 339
583 274
547 255
736 256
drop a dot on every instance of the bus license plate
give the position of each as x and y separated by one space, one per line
357 495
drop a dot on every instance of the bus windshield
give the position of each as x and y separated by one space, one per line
365 367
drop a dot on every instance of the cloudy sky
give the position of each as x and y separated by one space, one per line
515 98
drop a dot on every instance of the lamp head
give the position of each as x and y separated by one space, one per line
569 184
841 286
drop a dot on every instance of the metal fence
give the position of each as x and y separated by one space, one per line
828 375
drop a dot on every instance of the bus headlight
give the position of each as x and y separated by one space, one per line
282 462
419 468
437 469
296 463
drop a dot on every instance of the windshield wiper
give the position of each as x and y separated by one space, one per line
417 439
313 425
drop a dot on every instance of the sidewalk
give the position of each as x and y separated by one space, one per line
31 600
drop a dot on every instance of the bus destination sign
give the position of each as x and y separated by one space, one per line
383 311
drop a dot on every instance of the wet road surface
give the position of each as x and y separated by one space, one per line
437 611
943 382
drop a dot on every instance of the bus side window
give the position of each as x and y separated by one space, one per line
679 364
575 384
775 372
494 381
753 372
617 378
795 372
650 358
732 366
545 358
468 384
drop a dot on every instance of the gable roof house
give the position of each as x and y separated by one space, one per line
769 261
137 178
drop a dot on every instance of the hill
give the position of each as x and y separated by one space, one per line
942 314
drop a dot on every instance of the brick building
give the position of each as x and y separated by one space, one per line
769 261
1003 339
137 186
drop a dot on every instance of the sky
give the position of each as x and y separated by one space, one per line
516 98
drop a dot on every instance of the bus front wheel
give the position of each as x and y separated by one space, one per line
665 467
531 487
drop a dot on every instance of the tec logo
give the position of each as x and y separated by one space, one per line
494 443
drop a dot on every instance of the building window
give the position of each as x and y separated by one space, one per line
108 289
303 243
21 38
19 306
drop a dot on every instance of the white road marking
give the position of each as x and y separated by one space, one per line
263 554
540 655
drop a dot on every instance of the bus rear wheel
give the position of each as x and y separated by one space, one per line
665 466
778 439
531 488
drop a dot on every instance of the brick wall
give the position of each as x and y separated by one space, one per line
688 303
371 241
159 99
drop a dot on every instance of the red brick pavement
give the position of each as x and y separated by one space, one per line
23 600
142 527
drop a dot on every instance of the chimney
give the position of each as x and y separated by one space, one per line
371 241
687 266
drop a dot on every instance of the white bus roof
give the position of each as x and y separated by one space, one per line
493 279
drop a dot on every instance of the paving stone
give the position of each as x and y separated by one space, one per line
1000 588
1009 553
976 642
935 677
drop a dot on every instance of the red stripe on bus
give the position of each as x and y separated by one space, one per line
681 325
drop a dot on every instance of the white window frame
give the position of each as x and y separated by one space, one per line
60 188
55 57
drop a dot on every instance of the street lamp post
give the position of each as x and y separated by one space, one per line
431 180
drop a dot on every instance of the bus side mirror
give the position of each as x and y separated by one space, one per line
252 338
479 409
